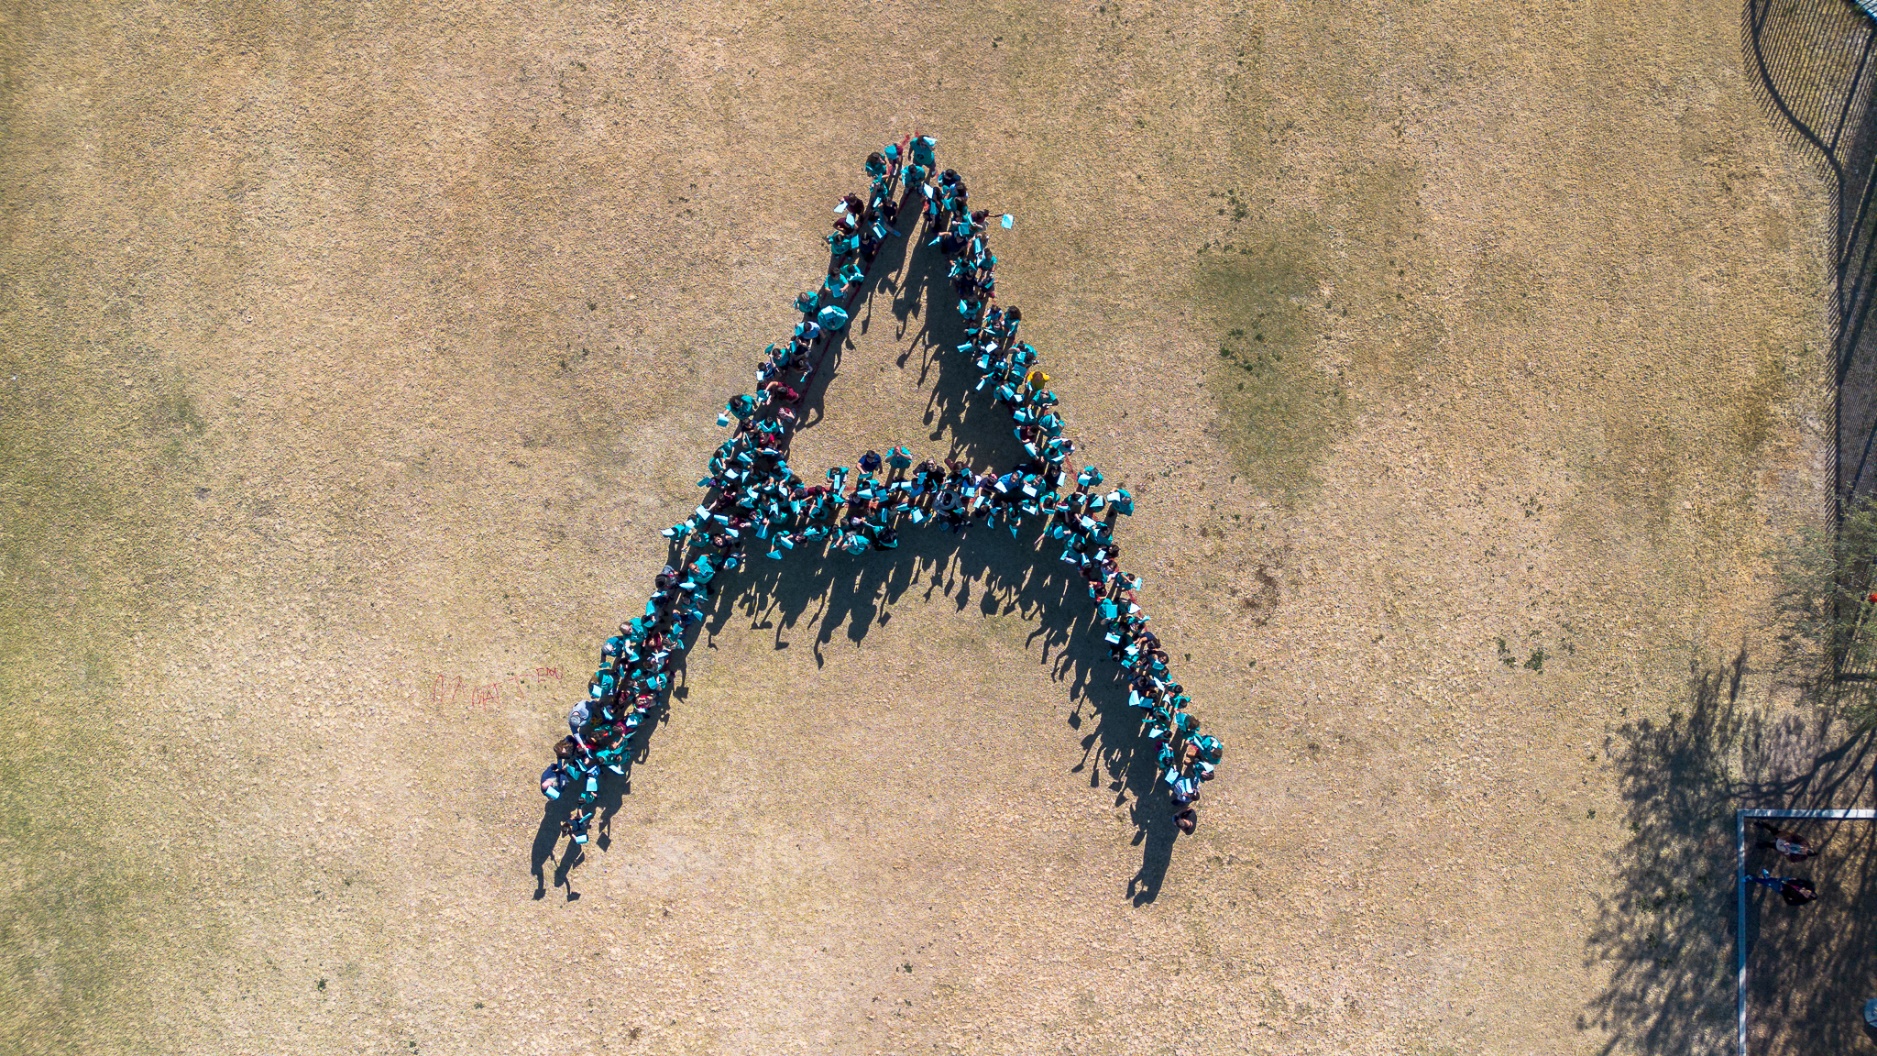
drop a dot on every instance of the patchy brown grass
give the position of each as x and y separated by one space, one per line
357 350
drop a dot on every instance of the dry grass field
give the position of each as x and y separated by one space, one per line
1466 359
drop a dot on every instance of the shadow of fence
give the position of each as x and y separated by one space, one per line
1667 934
1814 63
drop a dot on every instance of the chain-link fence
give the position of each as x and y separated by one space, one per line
1816 64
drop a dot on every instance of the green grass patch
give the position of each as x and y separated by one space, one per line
87 901
1279 409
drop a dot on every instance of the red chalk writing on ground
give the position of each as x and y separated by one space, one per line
446 690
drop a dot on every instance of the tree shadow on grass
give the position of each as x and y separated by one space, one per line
1809 968
1666 933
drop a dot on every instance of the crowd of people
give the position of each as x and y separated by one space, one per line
756 504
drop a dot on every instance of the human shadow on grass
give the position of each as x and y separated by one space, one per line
987 571
1020 575
547 837
883 276
1665 934
984 569
851 595
911 279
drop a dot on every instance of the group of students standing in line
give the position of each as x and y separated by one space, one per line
756 501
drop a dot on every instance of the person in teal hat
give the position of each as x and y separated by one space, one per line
603 684
615 647
1209 752
885 223
618 749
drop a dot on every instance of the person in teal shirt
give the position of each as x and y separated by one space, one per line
832 318
923 152
756 495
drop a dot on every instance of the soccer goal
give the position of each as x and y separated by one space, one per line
1741 818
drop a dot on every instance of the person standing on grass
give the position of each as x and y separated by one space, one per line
1796 891
1186 817
553 779
576 824
1790 845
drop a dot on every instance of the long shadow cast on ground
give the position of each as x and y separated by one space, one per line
852 595
1666 934
1814 64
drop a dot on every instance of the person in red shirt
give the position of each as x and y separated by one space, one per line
1790 845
